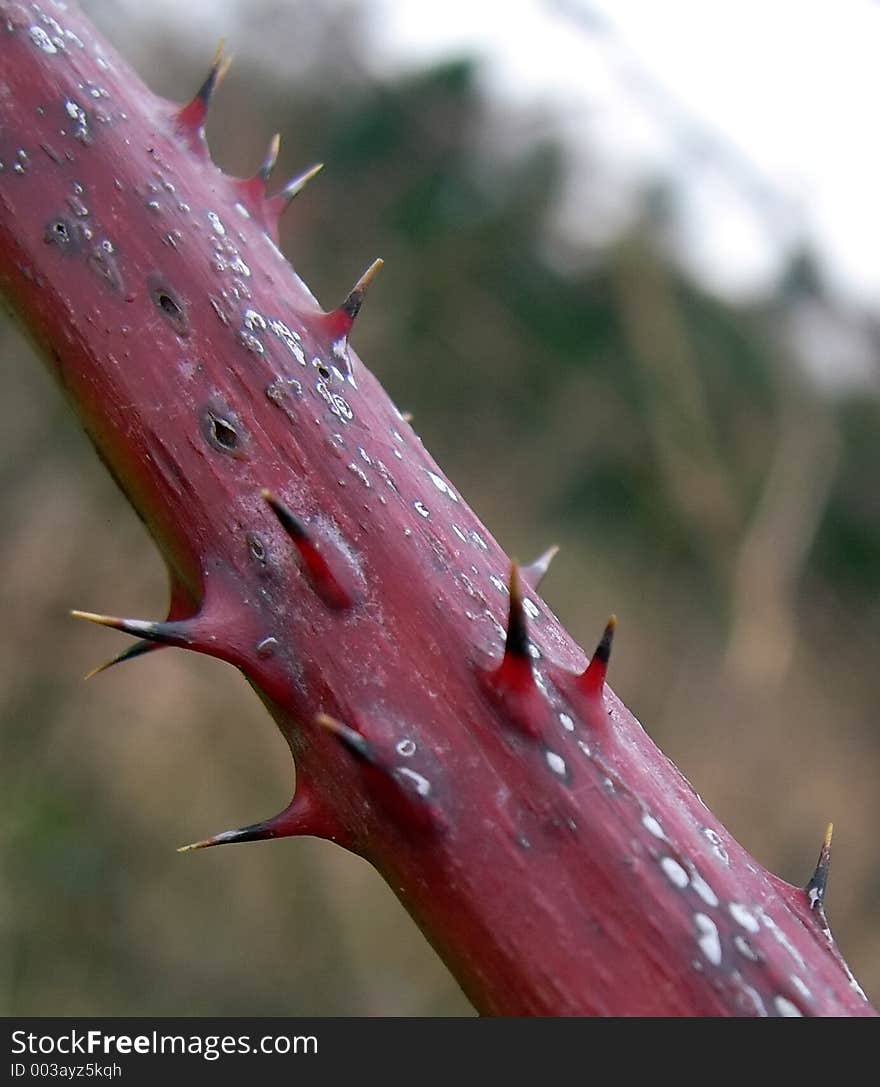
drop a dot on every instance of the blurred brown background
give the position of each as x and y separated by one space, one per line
700 483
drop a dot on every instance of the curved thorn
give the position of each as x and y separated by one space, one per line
351 740
136 650
819 881
533 574
352 305
592 682
268 163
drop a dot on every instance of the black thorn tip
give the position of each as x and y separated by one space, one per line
136 650
256 832
351 740
219 67
517 642
819 882
287 518
603 649
177 634
352 305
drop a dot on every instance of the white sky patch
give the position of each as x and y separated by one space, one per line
787 90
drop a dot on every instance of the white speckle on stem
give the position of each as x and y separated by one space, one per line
674 872
745 948
421 784
781 938
267 647
442 485
251 342
653 827
707 938
717 845
556 763
41 39
756 1000
744 917
786 1008
704 890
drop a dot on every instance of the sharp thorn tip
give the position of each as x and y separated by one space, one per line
296 184
136 650
534 573
352 304
93 617
517 641
291 524
592 681
603 649
268 163
818 884
350 739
